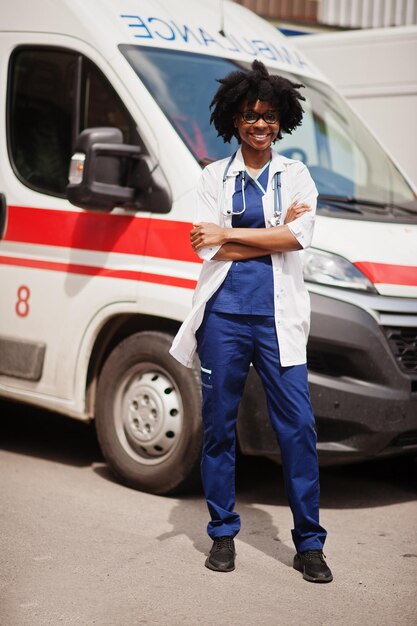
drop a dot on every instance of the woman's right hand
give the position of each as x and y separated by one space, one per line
207 234
296 209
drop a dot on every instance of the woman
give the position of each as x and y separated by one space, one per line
255 211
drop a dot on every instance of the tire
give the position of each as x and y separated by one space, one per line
148 412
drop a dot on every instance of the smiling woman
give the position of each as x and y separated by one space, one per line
251 307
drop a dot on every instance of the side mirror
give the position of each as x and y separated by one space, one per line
105 173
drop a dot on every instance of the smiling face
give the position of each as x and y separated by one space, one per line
260 135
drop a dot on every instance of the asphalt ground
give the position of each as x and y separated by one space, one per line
77 548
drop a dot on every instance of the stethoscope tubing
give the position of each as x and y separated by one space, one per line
276 183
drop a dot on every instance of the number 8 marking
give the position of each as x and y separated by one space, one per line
22 304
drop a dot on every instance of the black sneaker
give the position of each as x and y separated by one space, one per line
313 566
222 555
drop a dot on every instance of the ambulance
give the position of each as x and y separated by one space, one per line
104 109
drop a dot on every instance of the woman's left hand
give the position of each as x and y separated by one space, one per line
295 210
207 234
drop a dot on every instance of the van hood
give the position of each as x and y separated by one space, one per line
385 252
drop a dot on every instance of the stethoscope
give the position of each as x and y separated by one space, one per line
276 185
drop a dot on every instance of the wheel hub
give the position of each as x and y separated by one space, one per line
151 414
145 413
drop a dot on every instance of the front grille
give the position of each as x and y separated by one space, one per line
351 363
403 342
335 365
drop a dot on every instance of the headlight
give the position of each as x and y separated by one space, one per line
331 269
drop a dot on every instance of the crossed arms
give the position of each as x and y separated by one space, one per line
238 244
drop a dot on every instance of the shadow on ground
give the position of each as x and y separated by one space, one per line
39 433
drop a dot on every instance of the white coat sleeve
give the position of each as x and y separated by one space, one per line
207 207
304 190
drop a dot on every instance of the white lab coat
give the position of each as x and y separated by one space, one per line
292 302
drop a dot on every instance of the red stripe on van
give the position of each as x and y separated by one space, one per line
74 268
388 274
101 232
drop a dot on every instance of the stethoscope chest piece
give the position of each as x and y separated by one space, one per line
275 220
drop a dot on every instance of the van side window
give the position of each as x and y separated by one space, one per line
101 106
40 117
54 94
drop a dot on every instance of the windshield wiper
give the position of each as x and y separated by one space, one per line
338 200
350 201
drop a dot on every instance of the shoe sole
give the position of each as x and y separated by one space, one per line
310 579
216 569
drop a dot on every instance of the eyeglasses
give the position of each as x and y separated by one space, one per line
250 117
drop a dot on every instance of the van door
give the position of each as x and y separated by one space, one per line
59 265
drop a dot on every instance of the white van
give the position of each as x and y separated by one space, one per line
97 275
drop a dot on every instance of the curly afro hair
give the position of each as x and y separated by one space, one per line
254 85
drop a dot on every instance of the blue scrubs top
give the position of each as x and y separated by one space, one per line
248 288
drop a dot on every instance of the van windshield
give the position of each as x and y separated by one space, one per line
349 167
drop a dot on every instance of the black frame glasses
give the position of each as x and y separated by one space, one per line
251 117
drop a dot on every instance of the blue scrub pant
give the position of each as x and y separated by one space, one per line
227 345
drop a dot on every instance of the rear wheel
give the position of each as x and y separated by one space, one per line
148 415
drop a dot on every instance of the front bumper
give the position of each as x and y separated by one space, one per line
364 399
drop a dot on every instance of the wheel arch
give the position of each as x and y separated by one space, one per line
114 330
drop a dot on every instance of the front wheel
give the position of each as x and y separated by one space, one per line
148 415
